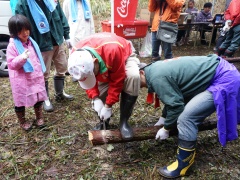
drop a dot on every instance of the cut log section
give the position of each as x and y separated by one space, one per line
233 59
99 137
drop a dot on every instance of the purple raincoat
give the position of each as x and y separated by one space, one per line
225 88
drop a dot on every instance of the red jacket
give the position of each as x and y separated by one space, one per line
233 12
114 50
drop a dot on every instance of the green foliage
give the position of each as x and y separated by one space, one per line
101 8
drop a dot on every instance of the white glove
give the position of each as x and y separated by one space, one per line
69 44
162 134
228 23
105 113
160 121
97 105
25 54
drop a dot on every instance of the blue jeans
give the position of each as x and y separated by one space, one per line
194 113
166 47
232 41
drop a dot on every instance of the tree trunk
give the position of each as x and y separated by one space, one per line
99 137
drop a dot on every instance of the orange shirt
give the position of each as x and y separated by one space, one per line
170 14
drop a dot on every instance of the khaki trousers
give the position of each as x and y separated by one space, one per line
58 56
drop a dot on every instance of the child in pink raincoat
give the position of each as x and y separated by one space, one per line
26 68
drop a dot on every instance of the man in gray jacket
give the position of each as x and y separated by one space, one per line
192 88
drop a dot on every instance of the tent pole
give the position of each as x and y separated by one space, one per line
112 16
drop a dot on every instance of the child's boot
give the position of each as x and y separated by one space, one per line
23 123
39 116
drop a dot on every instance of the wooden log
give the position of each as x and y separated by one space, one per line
99 137
233 59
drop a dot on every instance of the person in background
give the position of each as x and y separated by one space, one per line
232 41
181 32
191 9
105 66
206 16
49 29
192 88
80 19
26 68
171 11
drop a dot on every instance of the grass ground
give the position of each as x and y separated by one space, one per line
61 150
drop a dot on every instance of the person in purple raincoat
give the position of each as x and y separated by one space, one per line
192 88
26 68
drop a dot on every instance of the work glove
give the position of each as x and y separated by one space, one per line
105 113
97 105
162 134
69 44
227 26
25 54
160 121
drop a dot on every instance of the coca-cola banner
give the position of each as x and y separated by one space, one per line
125 11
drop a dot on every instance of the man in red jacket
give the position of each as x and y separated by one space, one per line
232 41
106 67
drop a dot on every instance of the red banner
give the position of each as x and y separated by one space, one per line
125 11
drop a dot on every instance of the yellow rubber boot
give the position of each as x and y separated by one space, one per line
185 159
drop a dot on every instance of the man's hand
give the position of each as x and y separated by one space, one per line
25 54
69 44
162 134
160 121
97 105
105 113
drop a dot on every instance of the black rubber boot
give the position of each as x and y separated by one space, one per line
126 108
47 105
59 92
185 159
228 54
154 59
220 51
100 126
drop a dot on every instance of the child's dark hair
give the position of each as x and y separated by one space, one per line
192 1
207 5
17 23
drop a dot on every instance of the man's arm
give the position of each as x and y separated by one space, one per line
170 94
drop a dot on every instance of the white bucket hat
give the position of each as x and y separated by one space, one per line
80 66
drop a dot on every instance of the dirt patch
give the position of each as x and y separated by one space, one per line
62 150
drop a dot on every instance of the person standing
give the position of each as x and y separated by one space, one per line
105 66
171 11
50 29
232 41
26 68
192 88
80 19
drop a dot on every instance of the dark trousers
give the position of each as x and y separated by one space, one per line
207 28
180 34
